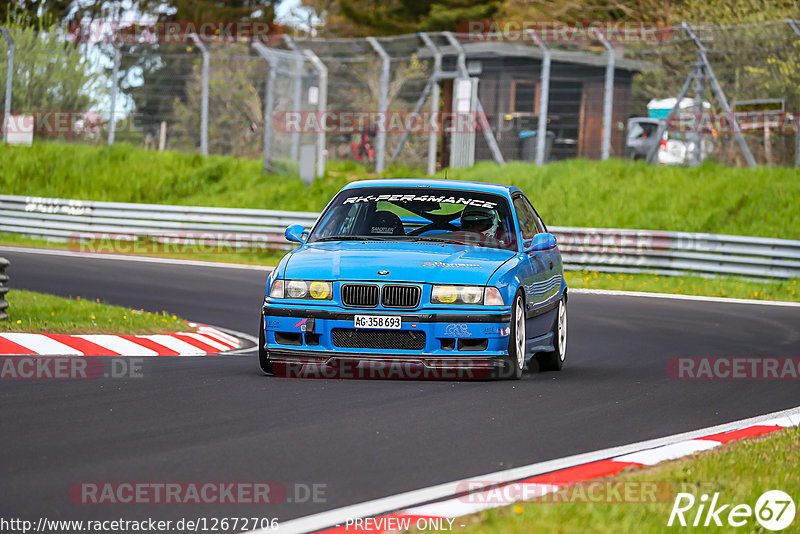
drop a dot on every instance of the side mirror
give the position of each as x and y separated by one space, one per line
296 233
540 242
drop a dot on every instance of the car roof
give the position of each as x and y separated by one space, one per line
484 187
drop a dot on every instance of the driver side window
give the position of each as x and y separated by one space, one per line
528 221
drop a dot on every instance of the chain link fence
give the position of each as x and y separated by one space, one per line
682 96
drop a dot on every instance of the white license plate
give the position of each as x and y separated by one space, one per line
387 322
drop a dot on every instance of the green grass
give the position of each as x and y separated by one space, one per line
29 311
610 194
740 472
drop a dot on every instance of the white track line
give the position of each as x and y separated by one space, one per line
723 300
140 259
401 501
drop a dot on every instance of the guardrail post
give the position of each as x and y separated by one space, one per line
9 82
3 288
322 105
383 102
204 96
112 126
269 101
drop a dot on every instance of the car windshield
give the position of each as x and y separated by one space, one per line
417 214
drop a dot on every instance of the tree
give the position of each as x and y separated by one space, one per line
50 74
392 17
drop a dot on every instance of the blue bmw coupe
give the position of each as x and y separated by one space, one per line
418 278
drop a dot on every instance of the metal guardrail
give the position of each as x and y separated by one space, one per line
3 289
602 249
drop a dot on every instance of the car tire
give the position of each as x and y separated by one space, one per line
263 355
554 361
513 364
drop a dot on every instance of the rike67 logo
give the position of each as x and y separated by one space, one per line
774 510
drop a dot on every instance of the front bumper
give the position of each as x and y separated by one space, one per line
453 339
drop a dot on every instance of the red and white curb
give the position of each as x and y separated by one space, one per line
204 340
450 500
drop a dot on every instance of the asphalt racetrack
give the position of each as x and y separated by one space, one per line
218 418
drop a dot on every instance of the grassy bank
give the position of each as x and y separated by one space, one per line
740 472
29 311
614 193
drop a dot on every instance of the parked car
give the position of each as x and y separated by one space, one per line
674 148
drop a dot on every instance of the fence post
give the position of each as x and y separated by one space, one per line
112 127
3 288
269 101
709 73
433 137
9 82
297 96
383 102
608 95
488 134
204 96
322 105
793 25
544 95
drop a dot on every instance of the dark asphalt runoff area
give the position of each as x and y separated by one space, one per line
218 418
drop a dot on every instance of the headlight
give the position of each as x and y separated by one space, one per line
276 290
489 296
301 289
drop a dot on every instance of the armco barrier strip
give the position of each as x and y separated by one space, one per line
471 496
205 340
603 249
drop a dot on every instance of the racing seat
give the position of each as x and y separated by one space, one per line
385 223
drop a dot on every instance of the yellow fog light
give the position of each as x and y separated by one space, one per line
320 290
445 294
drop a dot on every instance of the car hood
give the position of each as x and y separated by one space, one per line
406 262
